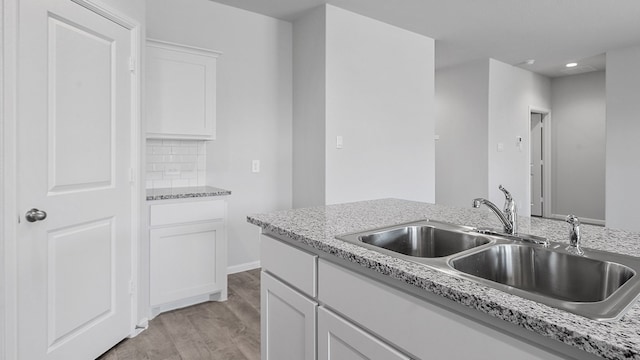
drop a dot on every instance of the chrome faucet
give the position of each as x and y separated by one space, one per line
575 238
508 217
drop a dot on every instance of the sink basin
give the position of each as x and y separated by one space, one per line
598 285
558 275
426 239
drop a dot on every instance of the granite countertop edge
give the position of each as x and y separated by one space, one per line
185 192
617 339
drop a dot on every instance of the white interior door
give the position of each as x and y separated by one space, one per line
536 164
74 136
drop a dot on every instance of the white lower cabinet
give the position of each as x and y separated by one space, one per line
313 308
182 262
288 322
187 253
339 339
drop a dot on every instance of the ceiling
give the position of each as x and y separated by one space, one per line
553 32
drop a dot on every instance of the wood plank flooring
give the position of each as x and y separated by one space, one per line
210 331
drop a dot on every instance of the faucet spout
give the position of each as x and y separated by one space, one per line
508 217
506 223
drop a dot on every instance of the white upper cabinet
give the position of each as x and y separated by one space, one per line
181 91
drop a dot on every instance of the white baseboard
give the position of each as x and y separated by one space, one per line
243 267
220 295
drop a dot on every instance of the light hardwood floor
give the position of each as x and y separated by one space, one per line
214 330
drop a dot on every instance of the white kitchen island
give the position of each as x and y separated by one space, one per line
356 299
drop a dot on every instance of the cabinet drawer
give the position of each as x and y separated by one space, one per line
185 212
293 266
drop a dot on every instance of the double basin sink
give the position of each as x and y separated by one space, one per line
598 285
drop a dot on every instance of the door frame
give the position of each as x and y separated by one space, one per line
546 158
9 211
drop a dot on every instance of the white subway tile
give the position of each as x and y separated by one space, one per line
189 175
185 158
189 143
158 167
161 184
202 162
155 159
179 150
179 183
154 175
189 166
162 150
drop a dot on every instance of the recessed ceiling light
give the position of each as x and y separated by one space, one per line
571 65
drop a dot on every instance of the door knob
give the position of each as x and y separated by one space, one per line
34 215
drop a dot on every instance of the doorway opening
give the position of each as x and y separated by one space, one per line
539 162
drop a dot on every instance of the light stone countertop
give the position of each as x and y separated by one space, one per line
318 226
185 192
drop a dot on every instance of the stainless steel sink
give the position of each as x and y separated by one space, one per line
549 273
426 239
598 285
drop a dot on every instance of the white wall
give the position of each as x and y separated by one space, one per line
380 98
309 88
481 104
254 110
623 147
511 91
462 110
578 145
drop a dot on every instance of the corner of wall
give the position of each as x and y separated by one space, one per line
309 89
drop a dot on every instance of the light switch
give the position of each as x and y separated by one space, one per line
519 143
255 166
339 142
500 147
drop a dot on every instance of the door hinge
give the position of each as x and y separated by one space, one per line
132 176
132 65
132 287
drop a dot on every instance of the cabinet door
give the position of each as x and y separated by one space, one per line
288 322
181 92
339 339
186 261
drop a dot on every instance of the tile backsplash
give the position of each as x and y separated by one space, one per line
175 163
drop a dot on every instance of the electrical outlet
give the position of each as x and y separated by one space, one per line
172 170
255 166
